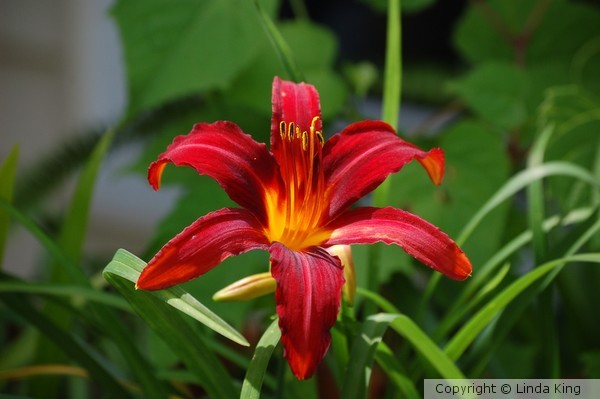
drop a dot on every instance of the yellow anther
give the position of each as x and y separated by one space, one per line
282 129
313 123
320 137
304 141
291 129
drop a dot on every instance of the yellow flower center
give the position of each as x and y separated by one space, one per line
295 213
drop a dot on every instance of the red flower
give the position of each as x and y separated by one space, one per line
295 202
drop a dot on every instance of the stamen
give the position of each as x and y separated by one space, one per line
282 127
320 137
301 167
304 141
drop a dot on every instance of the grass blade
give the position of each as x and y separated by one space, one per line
522 180
465 336
63 339
128 267
178 335
283 50
393 369
366 342
255 373
75 292
8 171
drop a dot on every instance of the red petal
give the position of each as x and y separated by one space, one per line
201 246
309 286
417 237
359 159
243 167
293 102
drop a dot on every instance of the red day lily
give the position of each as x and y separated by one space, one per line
295 202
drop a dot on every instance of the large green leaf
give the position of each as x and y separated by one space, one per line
8 170
174 49
563 28
497 93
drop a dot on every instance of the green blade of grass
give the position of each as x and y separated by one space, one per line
129 267
69 344
390 365
358 371
511 187
522 180
104 319
535 195
8 171
75 292
255 373
71 238
548 359
465 336
366 342
392 75
465 301
281 47
392 89
178 335
45 240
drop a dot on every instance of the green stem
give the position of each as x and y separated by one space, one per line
281 46
392 87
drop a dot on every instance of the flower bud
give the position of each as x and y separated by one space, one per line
344 252
247 288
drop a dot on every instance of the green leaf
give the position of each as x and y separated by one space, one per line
168 55
496 92
155 307
575 115
535 194
476 164
407 5
563 28
465 336
8 170
127 266
365 343
521 180
393 369
392 74
74 225
316 63
71 239
72 346
282 48
75 292
258 365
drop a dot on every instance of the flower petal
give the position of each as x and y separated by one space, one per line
201 246
416 236
309 286
244 168
359 159
293 102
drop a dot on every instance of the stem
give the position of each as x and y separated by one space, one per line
392 88
299 9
